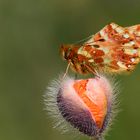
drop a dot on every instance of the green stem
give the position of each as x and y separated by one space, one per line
98 138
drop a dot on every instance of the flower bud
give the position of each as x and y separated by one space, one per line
86 104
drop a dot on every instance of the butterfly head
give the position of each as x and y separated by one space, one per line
65 51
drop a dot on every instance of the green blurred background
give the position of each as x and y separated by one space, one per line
31 32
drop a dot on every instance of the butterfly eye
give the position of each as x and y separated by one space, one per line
66 54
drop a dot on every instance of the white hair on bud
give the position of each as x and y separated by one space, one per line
51 106
51 102
115 89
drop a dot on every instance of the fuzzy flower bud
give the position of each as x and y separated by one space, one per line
86 104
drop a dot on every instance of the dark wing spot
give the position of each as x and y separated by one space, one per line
96 46
102 40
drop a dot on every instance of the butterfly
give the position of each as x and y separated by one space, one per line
114 49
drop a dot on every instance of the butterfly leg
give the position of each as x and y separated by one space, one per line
66 70
92 70
75 76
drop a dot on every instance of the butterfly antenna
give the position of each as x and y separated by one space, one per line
82 40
